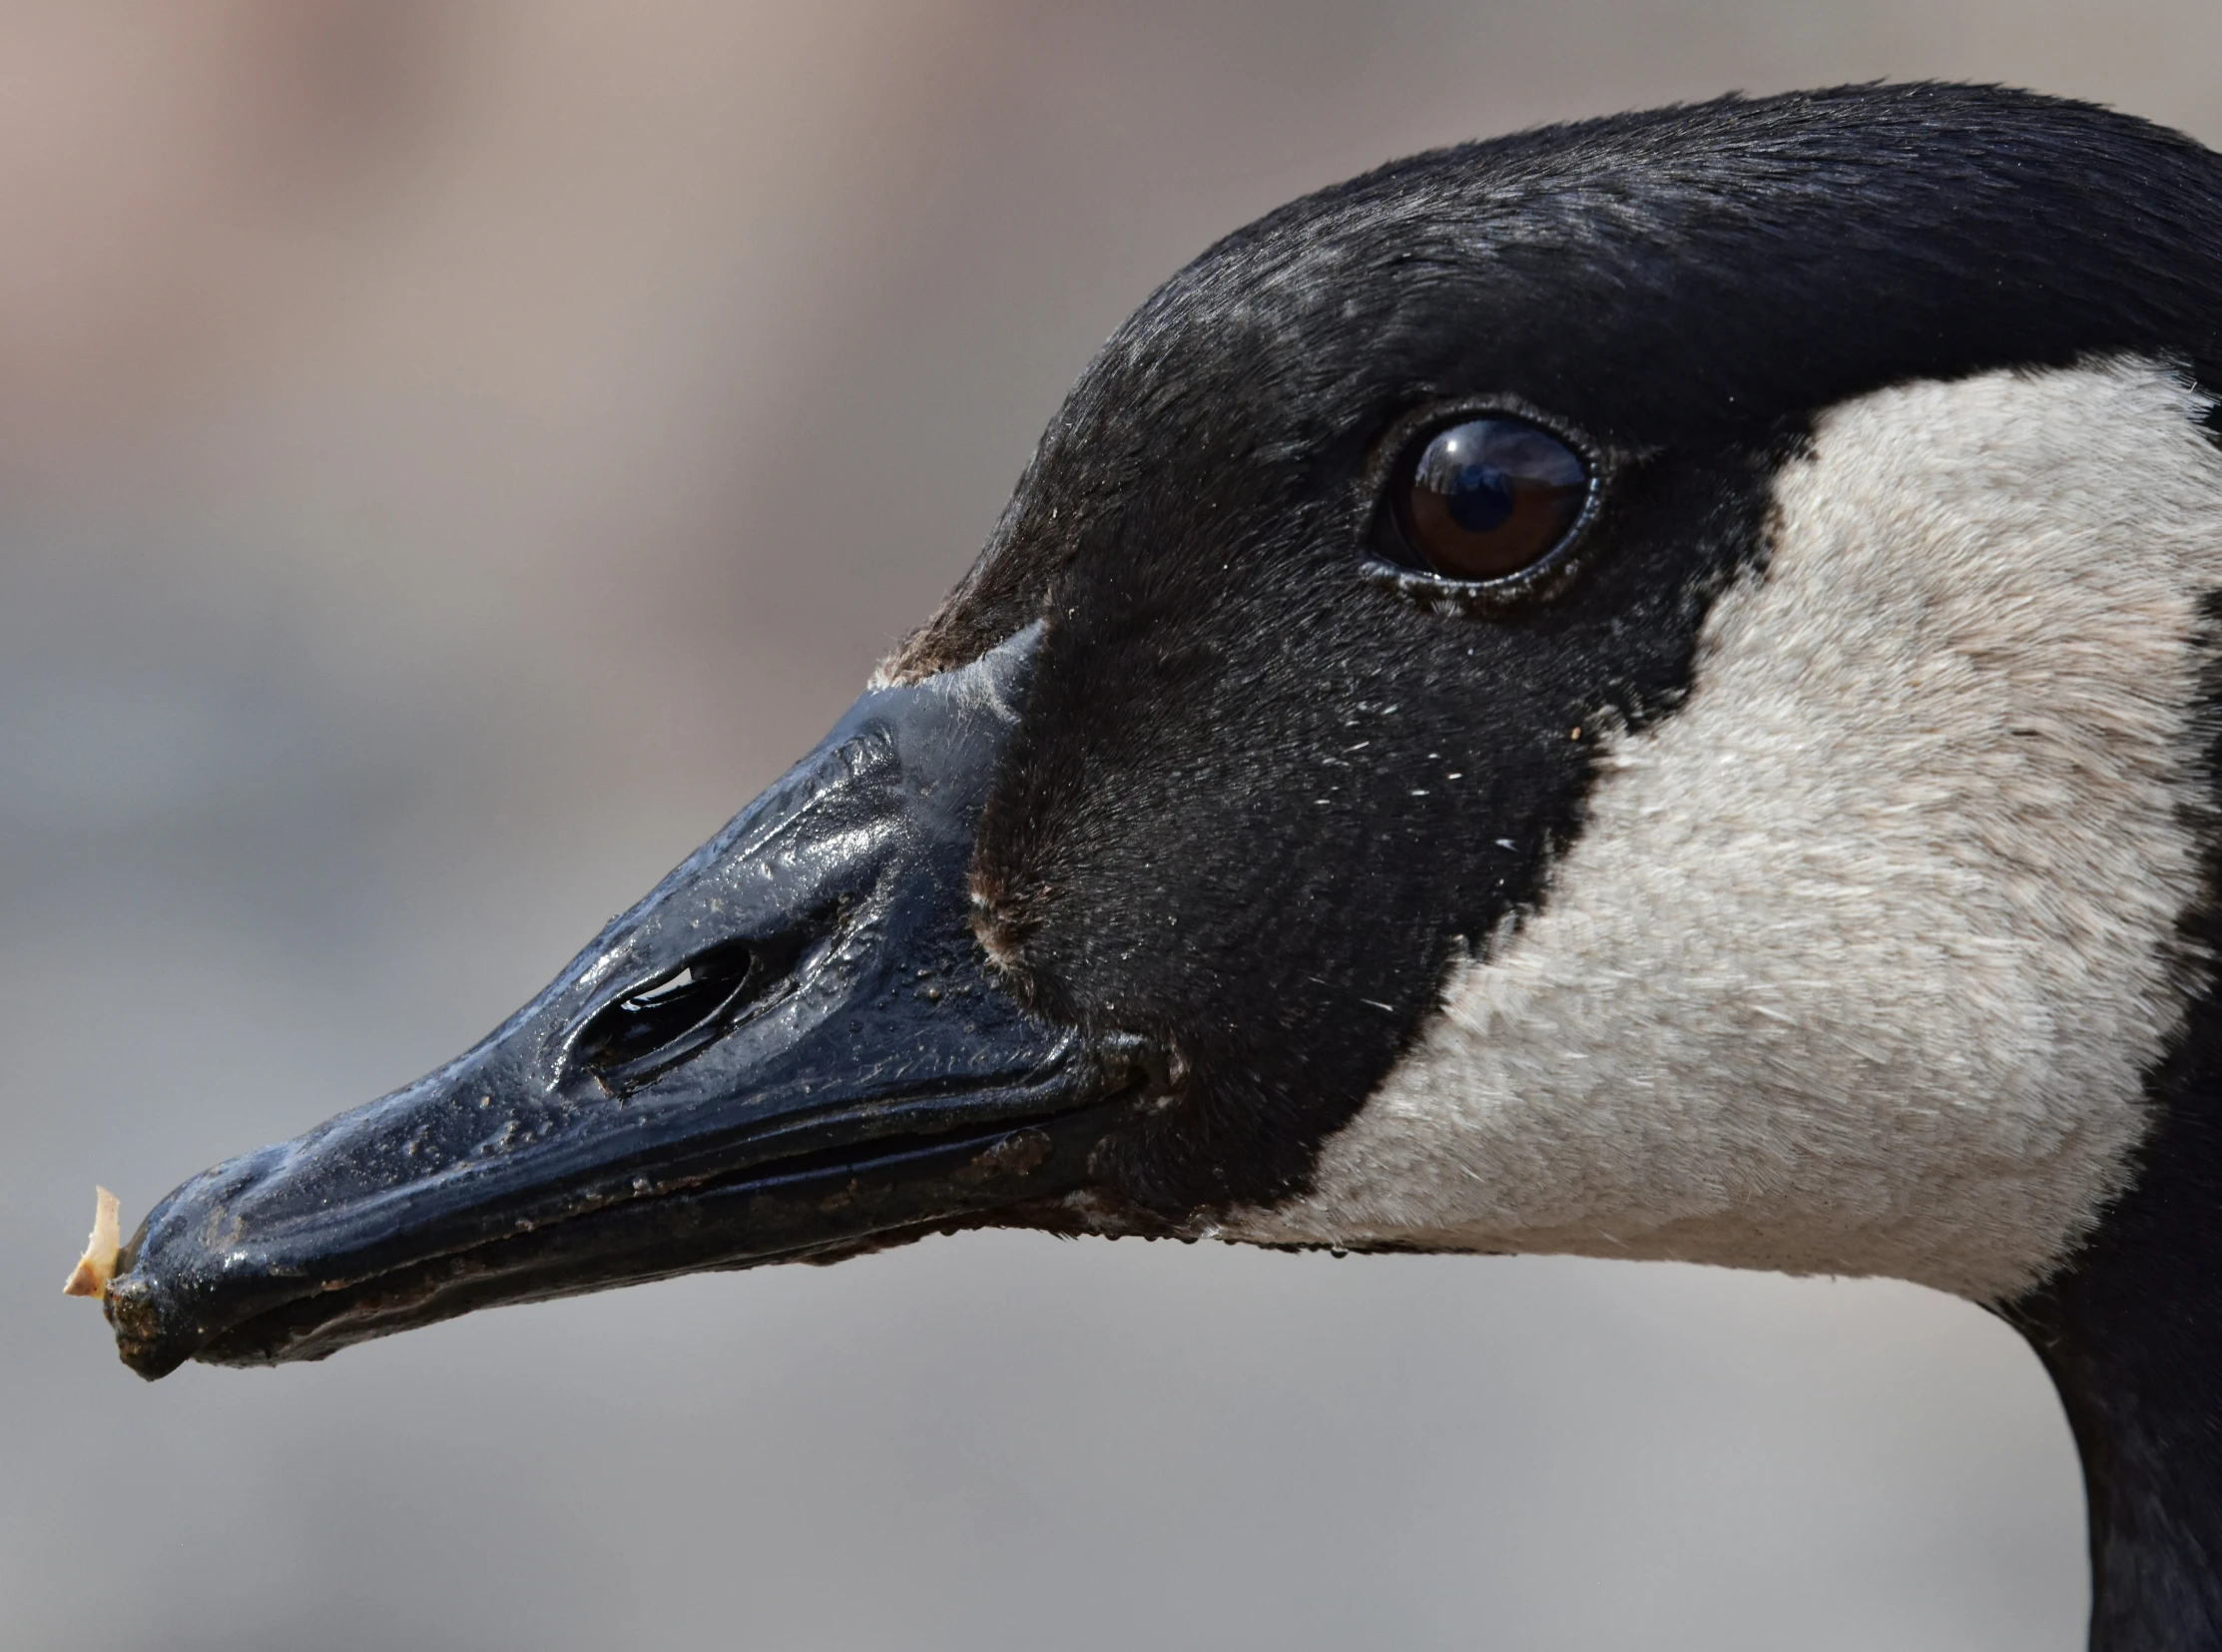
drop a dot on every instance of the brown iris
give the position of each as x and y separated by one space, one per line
1486 497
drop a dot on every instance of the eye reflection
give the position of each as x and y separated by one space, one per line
1487 497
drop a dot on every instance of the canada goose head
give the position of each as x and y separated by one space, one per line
1642 688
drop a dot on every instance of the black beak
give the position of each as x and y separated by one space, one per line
790 1049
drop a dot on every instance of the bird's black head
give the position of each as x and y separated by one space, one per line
1306 796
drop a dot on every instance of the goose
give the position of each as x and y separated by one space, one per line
1646 688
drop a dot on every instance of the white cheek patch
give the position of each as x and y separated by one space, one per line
1861 959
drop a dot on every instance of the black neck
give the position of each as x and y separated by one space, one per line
2132 1335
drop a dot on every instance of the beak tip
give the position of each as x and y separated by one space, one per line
142 1341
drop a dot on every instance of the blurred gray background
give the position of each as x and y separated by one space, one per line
451 455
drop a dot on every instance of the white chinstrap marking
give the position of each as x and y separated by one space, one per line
1859 959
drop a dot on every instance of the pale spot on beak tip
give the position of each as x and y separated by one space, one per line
98 1264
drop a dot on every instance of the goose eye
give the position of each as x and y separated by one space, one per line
1486 497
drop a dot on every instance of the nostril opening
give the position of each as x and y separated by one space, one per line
661 1022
